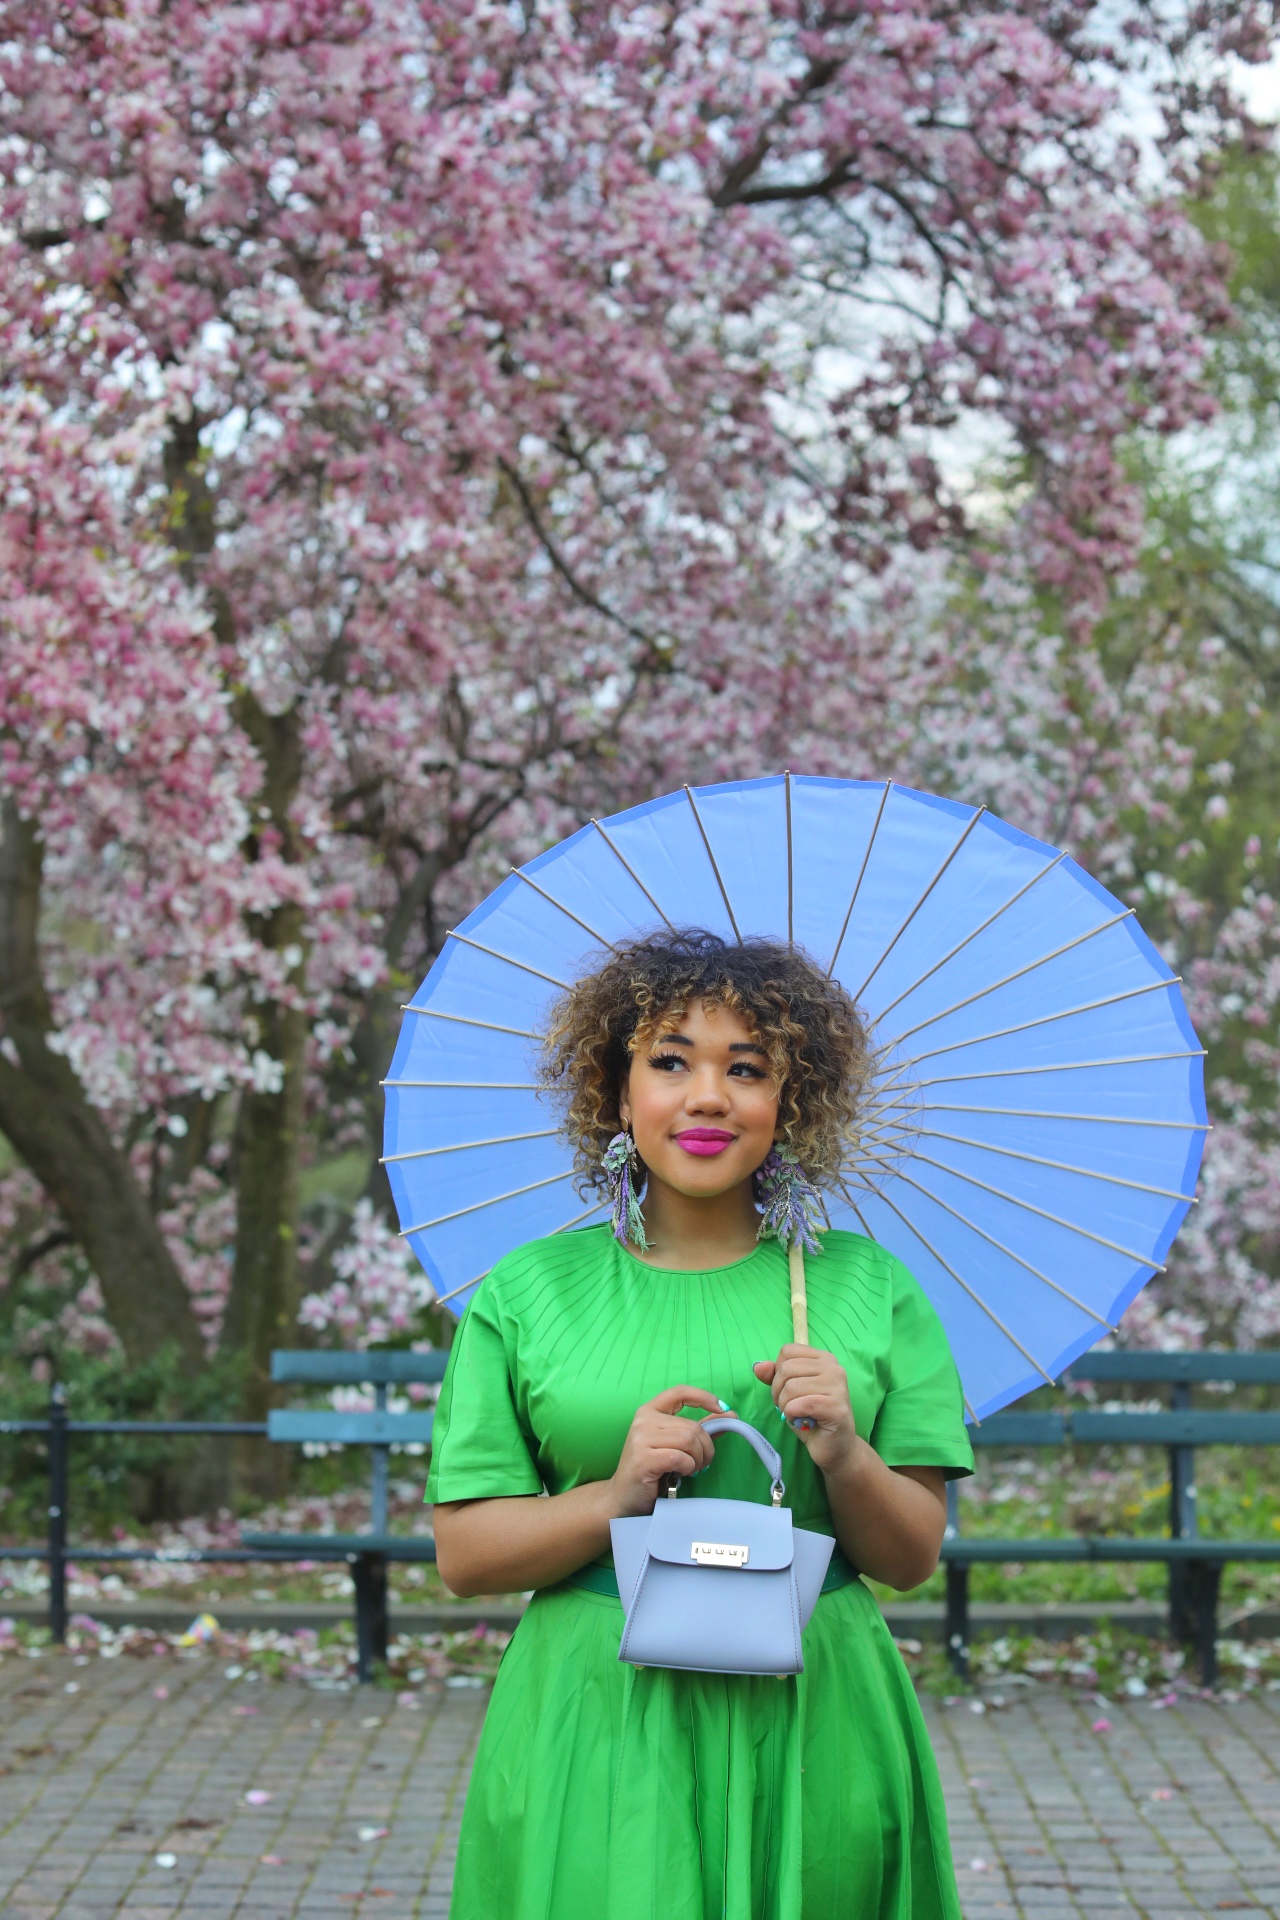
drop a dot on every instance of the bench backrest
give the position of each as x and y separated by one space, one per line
1169 1369
1136 1429
327 1369
372 1428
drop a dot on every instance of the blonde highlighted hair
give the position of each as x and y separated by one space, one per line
808 1026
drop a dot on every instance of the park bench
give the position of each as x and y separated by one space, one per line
367 1554
1195 1563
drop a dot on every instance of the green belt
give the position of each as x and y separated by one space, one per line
840 1573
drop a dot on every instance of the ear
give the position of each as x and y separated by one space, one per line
624 1101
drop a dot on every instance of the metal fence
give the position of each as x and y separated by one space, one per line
59 1428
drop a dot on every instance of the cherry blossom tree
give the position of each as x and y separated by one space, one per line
423 424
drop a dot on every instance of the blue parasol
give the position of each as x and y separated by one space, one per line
1031 1137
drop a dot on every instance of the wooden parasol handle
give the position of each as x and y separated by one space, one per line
799 1298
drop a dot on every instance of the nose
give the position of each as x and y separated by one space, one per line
707 1092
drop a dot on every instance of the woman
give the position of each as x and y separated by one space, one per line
604 1790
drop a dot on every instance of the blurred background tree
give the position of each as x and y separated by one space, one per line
424 426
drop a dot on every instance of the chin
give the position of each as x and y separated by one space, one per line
706 1182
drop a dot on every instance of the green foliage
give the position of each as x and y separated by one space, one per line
112 1476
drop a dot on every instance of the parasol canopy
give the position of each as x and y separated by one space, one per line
1031 1134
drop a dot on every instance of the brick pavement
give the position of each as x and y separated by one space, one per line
106 1778
1171 1814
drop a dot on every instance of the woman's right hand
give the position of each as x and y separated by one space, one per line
660 1443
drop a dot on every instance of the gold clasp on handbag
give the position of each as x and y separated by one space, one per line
715 1553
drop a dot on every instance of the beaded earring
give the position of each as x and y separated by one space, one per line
621 1165
788 1200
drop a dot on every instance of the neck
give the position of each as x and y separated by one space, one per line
689 1232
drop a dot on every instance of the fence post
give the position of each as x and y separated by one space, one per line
58 1513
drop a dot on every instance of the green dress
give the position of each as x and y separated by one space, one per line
607 1791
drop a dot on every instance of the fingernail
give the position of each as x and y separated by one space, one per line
724 1406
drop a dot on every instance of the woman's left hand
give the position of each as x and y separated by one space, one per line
809 1384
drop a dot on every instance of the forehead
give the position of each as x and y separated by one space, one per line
707 1022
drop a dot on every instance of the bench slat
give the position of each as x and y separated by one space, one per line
1137 1429
349 1429
1020 1430
1178 1429
1258 1369
1106 1548
357 1369
336 1546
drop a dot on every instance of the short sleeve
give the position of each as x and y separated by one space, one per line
921 1418
479 1450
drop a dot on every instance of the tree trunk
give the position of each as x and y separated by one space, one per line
262 1307
45 1114
263 1303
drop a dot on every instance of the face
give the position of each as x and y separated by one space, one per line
701 1101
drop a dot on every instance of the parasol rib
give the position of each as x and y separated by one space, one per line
791 917
990 920
626 864
971 824
998 1244
442 1299
1044 1020
1058 1166
977 1298
1029 1206
493 954
465 1146
478 1206
475 1086
857 885
1009 978
462 1020
724 895
1061 1066
566 1224
865 1228
887 1135
1038 1113
560 907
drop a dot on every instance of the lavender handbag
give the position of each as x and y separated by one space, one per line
719 1586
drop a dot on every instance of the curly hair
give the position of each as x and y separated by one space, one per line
810 1030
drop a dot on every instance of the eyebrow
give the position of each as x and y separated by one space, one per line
735 1046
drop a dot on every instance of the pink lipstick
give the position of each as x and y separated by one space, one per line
705 1141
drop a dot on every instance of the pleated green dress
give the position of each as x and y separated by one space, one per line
606 1791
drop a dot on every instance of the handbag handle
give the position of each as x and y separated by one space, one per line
769 1456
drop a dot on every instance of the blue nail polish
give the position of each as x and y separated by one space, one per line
724 1406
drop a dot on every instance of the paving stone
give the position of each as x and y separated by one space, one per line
1066 1820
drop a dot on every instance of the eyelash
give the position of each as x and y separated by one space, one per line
678 1060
